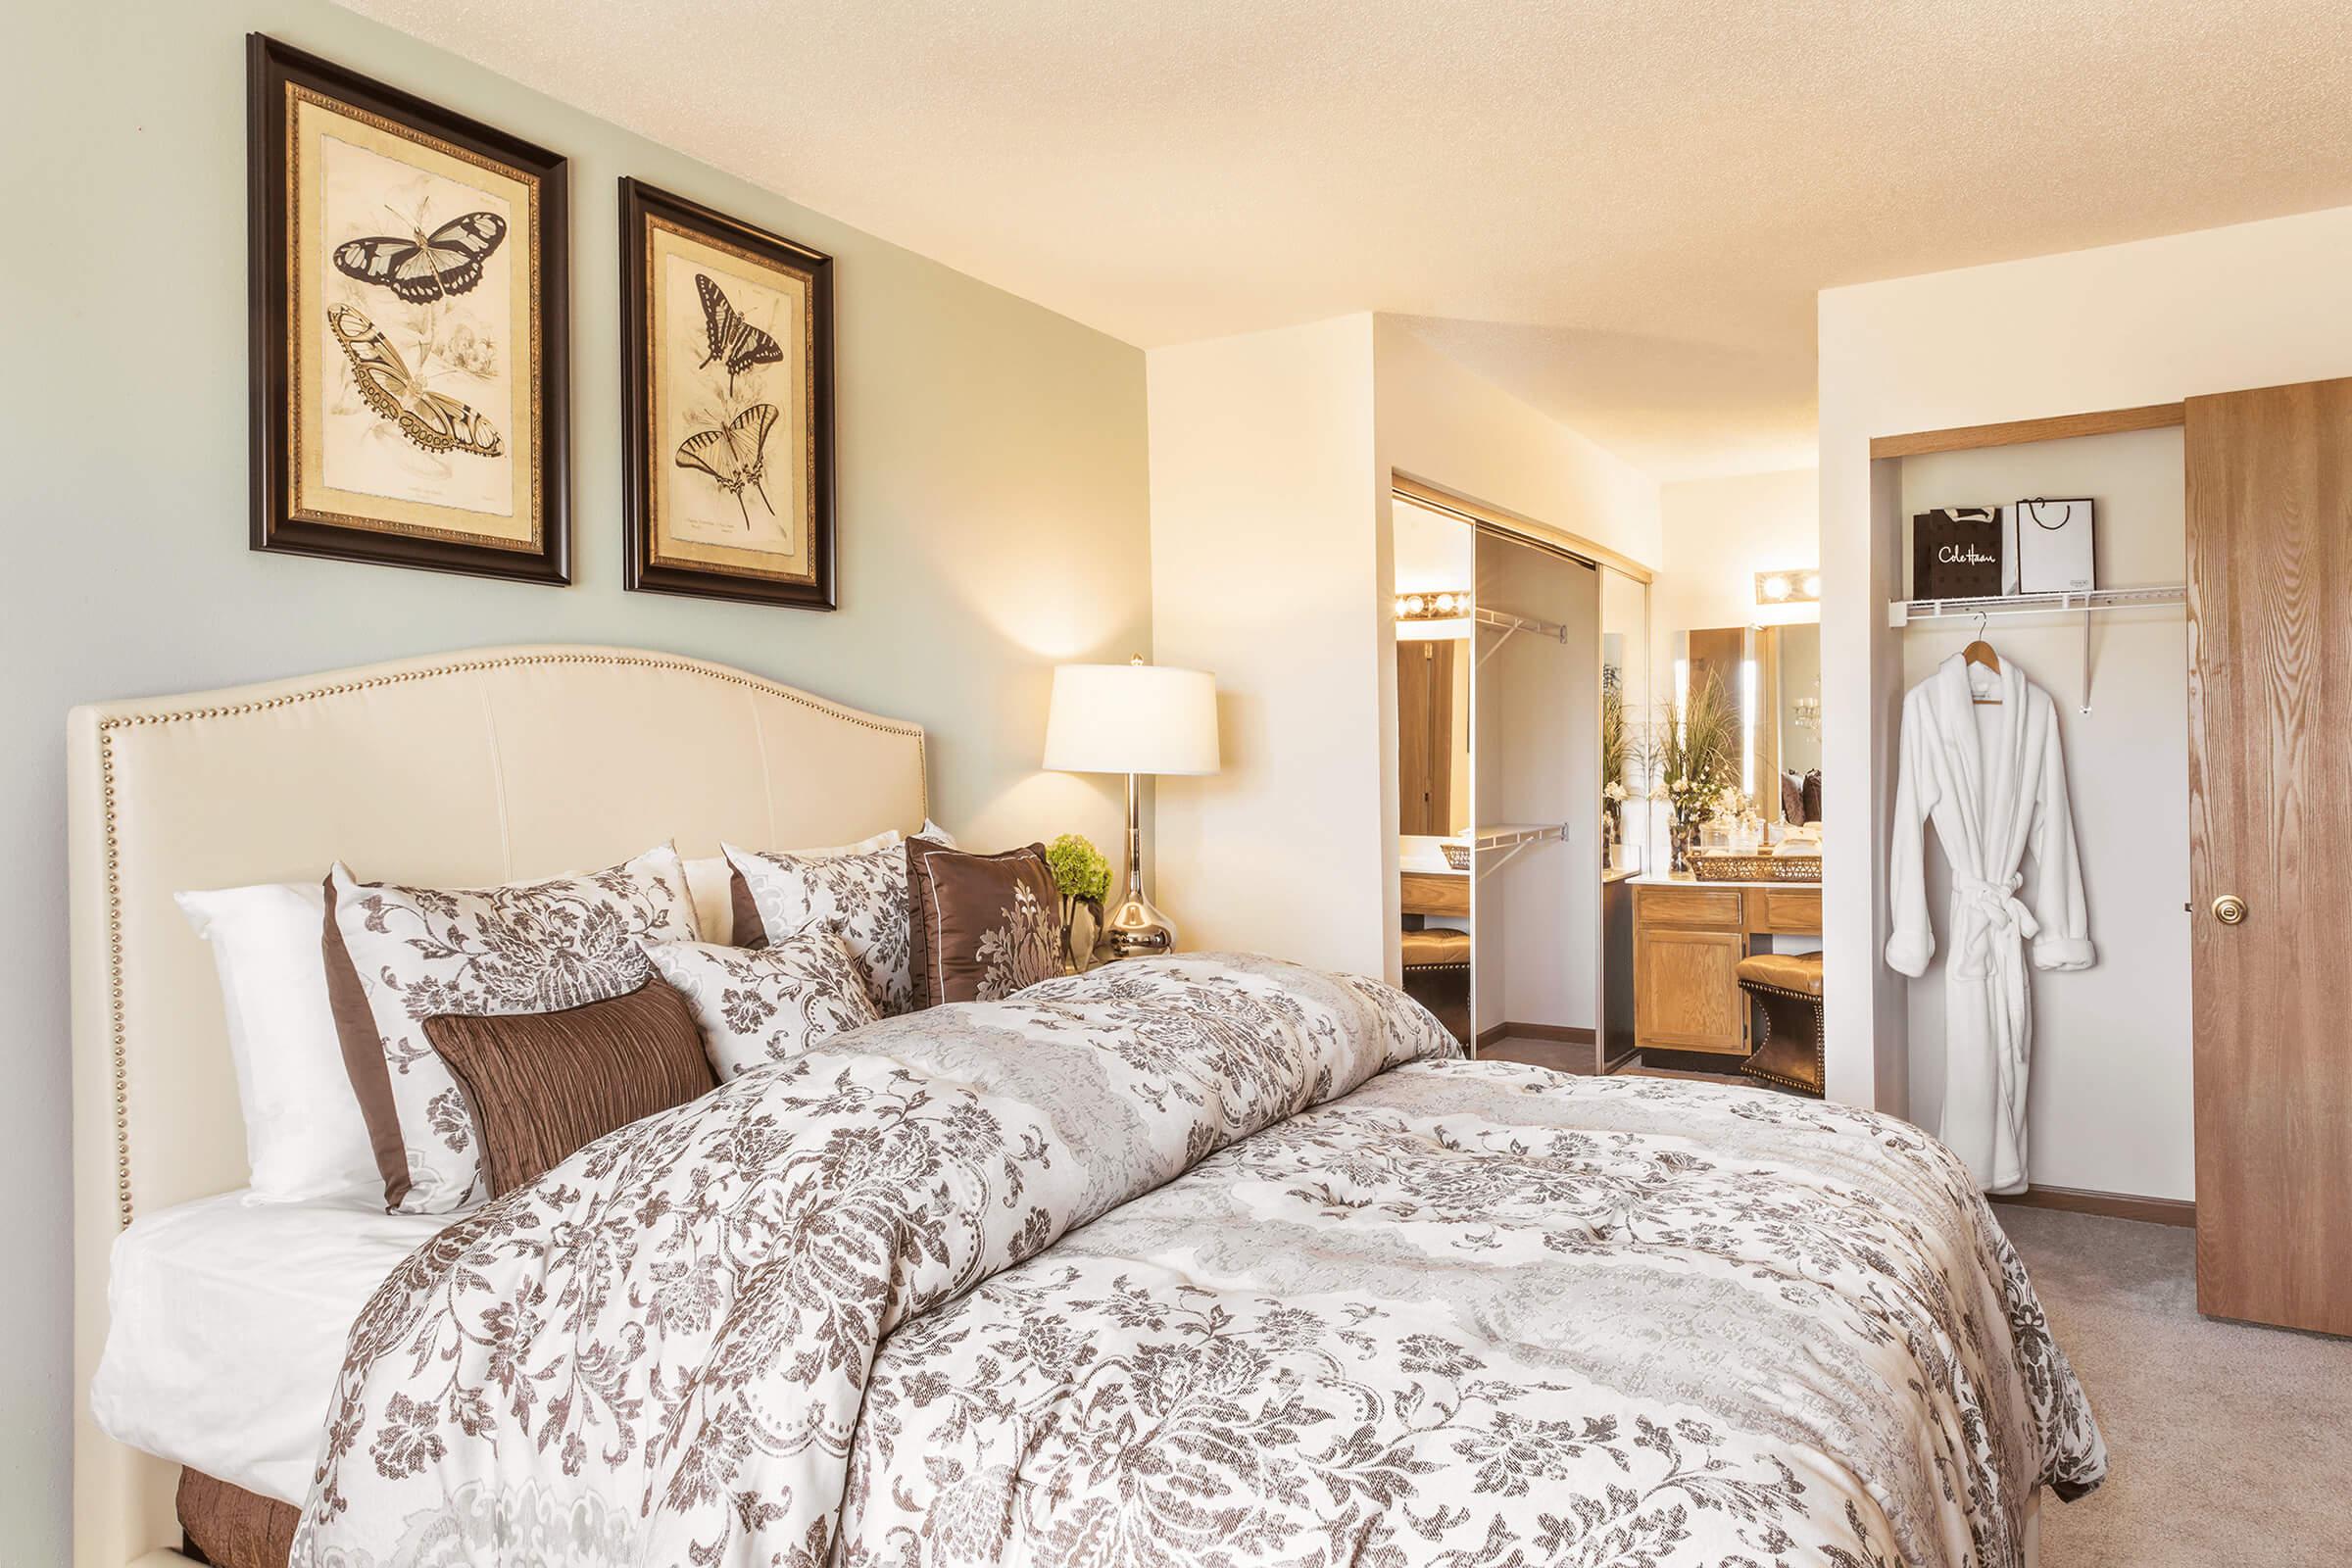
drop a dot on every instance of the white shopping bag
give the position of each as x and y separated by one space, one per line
2054 549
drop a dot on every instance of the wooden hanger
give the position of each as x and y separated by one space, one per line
1981 651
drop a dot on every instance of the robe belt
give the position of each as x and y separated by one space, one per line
1997 910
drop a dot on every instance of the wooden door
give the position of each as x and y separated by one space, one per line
2270 761
1425 737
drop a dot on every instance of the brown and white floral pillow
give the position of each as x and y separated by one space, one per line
984 925
757 1005
397 956
861 897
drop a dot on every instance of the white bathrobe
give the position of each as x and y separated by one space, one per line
1993 782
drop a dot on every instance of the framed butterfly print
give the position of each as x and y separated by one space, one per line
409 318
727 384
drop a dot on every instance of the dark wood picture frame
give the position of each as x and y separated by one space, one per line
272 70
645 458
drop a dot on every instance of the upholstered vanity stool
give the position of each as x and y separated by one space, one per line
1437 975
1788 986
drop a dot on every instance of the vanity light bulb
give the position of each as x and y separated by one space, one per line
1412 606
1775 588
1812 585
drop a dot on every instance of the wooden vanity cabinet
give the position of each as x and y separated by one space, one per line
1688 939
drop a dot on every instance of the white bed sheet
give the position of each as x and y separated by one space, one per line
229 1322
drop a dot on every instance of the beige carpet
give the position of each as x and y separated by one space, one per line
2225 1445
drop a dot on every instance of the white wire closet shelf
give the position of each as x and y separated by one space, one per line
1511 834
1902 611
1511 626
1511 839
2085 602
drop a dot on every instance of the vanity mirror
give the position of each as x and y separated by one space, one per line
1772 675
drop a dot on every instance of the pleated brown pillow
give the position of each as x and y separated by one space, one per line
542 1085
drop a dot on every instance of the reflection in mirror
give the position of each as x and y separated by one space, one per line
1791 661
1772 675
1433 736
1434 565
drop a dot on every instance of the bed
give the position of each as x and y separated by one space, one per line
1205 1259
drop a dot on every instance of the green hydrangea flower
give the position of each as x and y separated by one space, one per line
1079 869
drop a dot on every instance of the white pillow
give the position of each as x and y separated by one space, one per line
761 1004
304 1134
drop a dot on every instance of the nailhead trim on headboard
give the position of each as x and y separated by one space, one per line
461 667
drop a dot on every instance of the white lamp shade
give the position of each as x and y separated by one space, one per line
1132 718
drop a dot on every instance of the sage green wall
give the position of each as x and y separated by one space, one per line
993 514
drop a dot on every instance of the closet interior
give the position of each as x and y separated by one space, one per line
2203 691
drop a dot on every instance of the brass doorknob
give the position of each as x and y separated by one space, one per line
2230 909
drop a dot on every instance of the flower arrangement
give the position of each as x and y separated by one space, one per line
1079 869
1615 753
1691 763
1083 876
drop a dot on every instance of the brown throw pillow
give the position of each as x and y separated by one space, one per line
543 1083
984 925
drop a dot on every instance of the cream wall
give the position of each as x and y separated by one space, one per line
993 514
1439 424
1715 535
1272 551
2252 305
1265 570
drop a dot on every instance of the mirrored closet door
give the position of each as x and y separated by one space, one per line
1436 670
1516 664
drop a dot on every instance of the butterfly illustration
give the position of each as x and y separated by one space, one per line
435 422
424 267
735 454
734 342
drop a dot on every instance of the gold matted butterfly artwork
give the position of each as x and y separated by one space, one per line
728 384
409 340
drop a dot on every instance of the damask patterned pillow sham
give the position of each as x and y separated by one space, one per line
861 897
984 925
397 956
743 928
768 1005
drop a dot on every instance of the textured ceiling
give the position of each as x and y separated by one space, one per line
1619 209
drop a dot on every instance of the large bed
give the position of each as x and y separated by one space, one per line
1203 1259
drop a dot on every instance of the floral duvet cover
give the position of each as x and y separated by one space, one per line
1207 1260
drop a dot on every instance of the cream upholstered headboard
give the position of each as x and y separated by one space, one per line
452 770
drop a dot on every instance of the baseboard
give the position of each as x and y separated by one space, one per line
2114 1205
1566 1033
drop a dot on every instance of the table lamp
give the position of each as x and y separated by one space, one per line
1133 718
